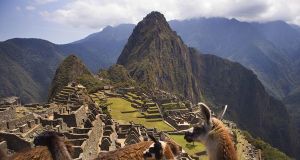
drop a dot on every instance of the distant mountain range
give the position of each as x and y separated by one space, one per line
271 50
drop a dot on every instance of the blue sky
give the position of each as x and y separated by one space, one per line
64 21
20 18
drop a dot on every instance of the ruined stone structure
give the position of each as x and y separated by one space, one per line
8 108
70 113
79 117
73 93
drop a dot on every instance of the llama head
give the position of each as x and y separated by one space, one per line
199 131
46 138
155 151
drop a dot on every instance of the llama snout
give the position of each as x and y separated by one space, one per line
188 136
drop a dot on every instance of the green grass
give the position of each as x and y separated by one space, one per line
189 147
122 112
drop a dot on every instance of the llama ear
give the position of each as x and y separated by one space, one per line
206 112
162 136
152 138
221 115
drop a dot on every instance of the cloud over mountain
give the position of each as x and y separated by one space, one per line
97 14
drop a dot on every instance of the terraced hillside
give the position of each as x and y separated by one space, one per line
122 111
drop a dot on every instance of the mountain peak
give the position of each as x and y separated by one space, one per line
151 45
149 37
154 22
155 16
68 71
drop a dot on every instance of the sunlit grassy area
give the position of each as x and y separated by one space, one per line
190 148
122 111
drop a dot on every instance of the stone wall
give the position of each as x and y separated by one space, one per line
20 121
54 124
80 115
7 113
26 121
173 122
91 149
14 142
75 118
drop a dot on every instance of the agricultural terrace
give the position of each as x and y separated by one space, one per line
122 112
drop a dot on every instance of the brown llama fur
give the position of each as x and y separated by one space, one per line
214 135
56 149
3 155
224 148
137 151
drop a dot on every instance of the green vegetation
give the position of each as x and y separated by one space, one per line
190 148
268 152
91 83
118 75
69 70
122 112
134 97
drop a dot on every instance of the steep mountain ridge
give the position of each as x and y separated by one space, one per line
147 52
156 55
27 67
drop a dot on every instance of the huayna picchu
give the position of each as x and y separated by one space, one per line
160 96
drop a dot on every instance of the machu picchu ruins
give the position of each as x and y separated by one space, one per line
87 120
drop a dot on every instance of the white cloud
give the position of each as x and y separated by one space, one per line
99 13
30 8
42 2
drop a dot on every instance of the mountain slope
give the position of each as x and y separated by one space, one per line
28 65
26 68
151 45
100 50
263 48
157 58
70 70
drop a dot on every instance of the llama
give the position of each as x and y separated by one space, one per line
3 155
214 135
149 150
49 146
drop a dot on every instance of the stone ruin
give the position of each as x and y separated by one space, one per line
69 113
117 135
73 93
84 124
